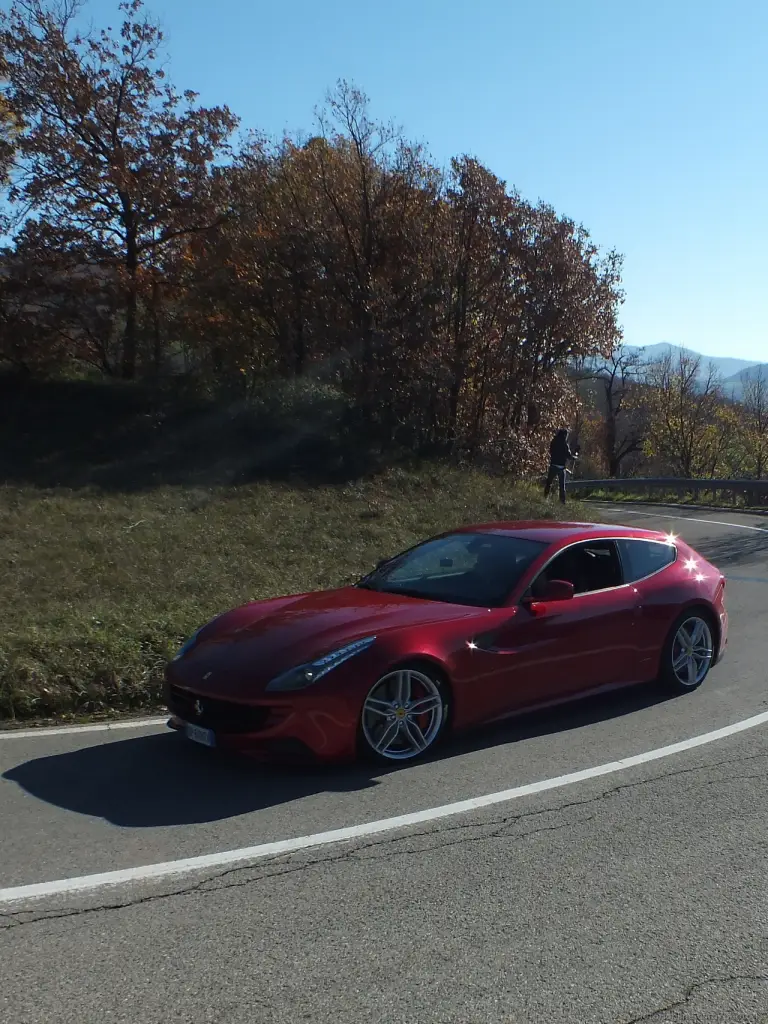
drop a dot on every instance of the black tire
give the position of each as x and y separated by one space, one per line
696 629
395 699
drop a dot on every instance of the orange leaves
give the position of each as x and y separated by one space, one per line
110 155
445 304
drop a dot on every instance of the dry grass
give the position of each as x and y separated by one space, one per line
99 589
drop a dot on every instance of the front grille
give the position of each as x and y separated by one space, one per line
212 713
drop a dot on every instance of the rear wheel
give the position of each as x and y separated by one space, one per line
404 715
688 652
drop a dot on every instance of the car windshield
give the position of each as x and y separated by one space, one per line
478 569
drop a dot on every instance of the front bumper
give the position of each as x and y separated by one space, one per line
282 749
302 728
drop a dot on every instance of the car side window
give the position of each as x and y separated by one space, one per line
593 565
643 558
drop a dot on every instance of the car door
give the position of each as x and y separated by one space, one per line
559 649
645 561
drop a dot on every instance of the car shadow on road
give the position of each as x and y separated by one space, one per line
162 780
578 714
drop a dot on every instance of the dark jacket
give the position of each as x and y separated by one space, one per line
559 450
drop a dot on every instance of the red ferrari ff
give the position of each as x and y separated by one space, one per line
469 627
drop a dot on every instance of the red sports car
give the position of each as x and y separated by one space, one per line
469 627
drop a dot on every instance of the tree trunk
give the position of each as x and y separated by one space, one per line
366 397
130 335
453 410
610 446
299 347
157 334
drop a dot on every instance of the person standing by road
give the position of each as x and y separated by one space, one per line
559 453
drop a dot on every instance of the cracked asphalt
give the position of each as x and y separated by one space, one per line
639 896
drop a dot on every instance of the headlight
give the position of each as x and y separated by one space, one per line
187 645
304 675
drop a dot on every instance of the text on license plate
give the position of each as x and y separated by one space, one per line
200 735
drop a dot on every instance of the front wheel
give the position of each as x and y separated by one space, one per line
688 652
403 716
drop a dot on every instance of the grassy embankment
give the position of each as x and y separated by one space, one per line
116 543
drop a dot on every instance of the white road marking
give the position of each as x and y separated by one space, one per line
687 519
247 854
68 730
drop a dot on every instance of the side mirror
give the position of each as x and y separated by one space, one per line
558 590
555 590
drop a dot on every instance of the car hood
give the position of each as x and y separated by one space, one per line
249 646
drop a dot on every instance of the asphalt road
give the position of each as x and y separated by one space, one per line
639 895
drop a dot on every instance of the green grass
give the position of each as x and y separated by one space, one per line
98 589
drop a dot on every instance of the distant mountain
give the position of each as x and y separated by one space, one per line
733 372
727 366
735 385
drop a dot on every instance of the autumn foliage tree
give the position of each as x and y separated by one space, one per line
438 302
755 422
444 311
618 426
111 157
10 127
691 427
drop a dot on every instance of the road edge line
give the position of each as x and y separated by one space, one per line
250 854
69 730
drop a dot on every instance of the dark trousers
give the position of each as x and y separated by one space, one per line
559 472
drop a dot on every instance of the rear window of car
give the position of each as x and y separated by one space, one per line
642 558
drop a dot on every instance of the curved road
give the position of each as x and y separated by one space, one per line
639 894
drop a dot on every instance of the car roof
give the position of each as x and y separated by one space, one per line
554 532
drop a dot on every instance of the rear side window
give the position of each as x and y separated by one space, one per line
643 558
589 566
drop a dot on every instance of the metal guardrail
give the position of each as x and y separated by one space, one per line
754 491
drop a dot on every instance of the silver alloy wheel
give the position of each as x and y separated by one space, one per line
402 715
692 651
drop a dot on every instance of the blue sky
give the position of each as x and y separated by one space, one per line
646 120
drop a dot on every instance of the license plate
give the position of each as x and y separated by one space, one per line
198 734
